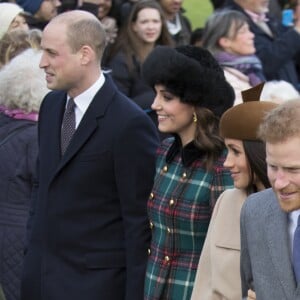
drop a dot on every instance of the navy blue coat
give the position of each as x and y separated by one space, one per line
89 231
276 53
17 172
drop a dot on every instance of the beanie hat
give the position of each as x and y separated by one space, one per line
243 120
31 6
192 74
8 11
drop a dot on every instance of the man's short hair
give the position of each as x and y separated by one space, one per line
83 31
281 123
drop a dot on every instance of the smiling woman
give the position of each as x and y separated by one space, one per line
228 38
145 29
218 274
191 93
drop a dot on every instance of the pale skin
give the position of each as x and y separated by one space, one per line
66 70
173 115
171 8
240 42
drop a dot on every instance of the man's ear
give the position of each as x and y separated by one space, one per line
86 54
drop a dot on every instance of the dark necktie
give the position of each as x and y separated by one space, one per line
68 125
296 252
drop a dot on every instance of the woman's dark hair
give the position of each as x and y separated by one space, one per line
207 138
130 44
255 152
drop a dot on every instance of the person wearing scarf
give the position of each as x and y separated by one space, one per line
22 88
228 38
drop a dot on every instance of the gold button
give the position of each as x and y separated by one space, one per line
165 169
167 258
184 175
151 196
169 230
151 225
149 251
172 202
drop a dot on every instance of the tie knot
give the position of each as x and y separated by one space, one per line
71 105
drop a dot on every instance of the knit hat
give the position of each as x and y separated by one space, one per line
31 6
8 11
192 74
242 121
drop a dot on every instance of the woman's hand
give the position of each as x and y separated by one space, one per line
251 295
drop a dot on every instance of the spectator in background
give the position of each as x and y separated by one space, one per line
196 37
191 93
144 30
22 88
103 9
12 17
276 45
228 38
218 274
178 25
42 11
16 41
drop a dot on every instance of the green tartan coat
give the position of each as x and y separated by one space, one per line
180 208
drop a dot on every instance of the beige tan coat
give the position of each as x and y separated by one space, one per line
218 274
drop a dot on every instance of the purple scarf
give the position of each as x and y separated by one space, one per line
18 114
250 65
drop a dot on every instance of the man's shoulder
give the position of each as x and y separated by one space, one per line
260 202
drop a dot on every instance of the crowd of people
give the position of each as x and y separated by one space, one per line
141 159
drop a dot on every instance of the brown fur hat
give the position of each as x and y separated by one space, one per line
192 74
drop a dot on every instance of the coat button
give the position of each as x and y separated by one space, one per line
184 175
169 230
151 225
151 197
149 251
171 202
165 169
167 258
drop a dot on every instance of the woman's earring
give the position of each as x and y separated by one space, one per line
195 119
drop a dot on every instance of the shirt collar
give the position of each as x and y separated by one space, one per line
83 100
257 17
189 153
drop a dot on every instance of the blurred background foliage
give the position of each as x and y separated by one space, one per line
197 11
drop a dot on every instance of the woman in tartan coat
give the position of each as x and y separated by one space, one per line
191 93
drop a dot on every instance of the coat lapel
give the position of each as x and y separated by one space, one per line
90 121
279 247
53 138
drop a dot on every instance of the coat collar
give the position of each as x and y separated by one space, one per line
276 230
189 153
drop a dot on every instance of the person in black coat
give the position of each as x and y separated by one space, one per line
88 231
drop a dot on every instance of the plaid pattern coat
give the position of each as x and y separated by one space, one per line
180 208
